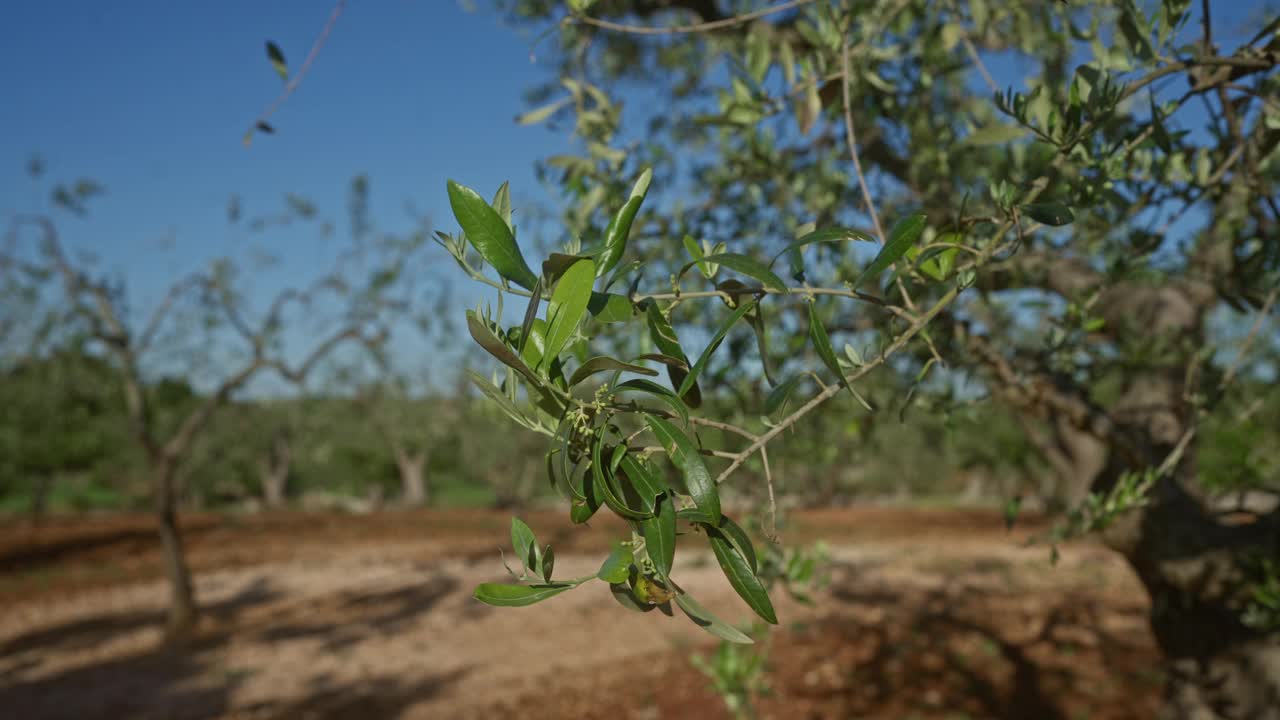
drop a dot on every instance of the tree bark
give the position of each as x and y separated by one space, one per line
274 471
182 617
413 477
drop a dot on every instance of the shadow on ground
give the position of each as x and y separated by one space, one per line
197 682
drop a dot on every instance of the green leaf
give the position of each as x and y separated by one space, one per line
526 545
648 485
498 397
568 305
684 455
830 234
664 336
716 339
656 390
489 235
822 343
778 396
755 318
548 563
610 307
504 595
660 536
901 238
487 339
615 235
741 541
601 477
539 114
695 252
502 205
530 314
601 364
1050 213
740 575
750 267
994 134
277 60
616 567
712 624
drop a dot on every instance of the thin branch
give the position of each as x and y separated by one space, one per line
831 390
694 28
296 80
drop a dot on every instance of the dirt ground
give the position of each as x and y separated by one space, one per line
930 614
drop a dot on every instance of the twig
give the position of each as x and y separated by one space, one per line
296 80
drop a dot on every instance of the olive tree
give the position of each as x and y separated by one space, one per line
1067 242
205 327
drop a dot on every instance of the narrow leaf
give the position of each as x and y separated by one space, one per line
489 233
741 577
1050 213
568 305
712 624
660 536
684 455
656 390
526 545
822 343
615 235
487 339
901 238
716 339
277 60
830 234
778 396
664 336
502 205
648 485
601 364
750 267
504 595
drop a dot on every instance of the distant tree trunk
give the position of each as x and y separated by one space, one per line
273 469
40 497
182 617
413 476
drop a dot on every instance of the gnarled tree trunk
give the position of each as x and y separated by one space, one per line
413 476
273 469
182 616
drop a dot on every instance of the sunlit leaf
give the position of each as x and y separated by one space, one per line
489 233
568 305
505 595
615 235
901 238
616 567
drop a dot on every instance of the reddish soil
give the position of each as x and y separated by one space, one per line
930 614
